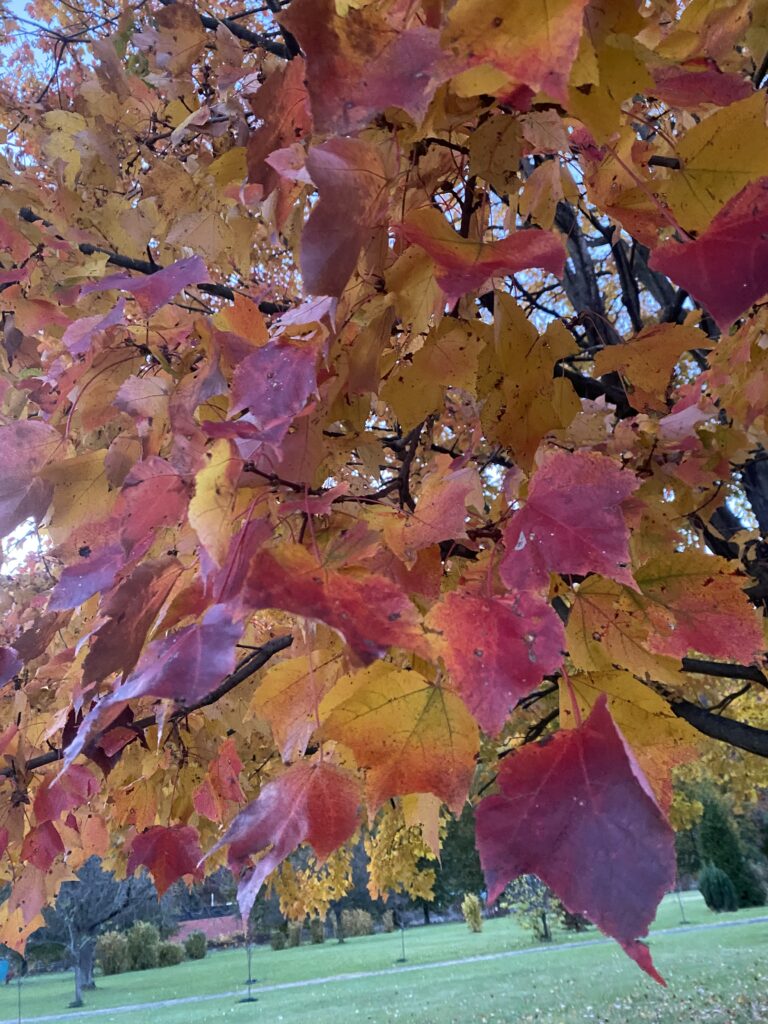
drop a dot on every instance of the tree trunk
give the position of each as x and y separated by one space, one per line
78 1000
87 958
425 908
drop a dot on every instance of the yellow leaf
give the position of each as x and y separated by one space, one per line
718 158
289 696
448 358
648 360
230 166
495 148
407 734
81 492
422 810
522 401
211 508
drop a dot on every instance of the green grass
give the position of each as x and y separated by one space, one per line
715 977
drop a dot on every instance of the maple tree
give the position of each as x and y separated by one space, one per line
383 391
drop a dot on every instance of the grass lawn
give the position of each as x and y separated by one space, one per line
719 976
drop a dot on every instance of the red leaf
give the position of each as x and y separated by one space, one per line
94 572
155 290
572 522
310 803
691 86
188 664
371 613
464 264
274 384
42 846
352 184
25 447
349 83
222 783
578 812
497 649
10 664
59 794
725 268
153 495
281 104
129 610
168 854
79 334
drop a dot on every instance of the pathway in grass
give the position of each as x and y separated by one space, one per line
84 1015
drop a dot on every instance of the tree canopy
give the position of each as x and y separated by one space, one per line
382 427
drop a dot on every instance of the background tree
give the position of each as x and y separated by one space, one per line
719 845
411 355
94 903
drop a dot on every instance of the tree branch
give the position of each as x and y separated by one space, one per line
250 664
718 727
221 291
724 670
247 36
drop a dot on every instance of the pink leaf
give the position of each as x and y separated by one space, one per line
352 183
42 846
155 290
686 86
578 812
94 572
312 803
25 448
572 522
189 663
59 794
274 384
496 649
725 268
463 264
79 335
372 613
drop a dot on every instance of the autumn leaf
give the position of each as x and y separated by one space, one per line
463 264
211 509
718 158
524 402
725 267
407 734
157 289
539 57
497 649
274 384
348 84
221 785
698 603
571 523
168 853
42 846
314 803
441 510
289 696
605 850
351 180
25 448
65 792
647 360
657 737
370 612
